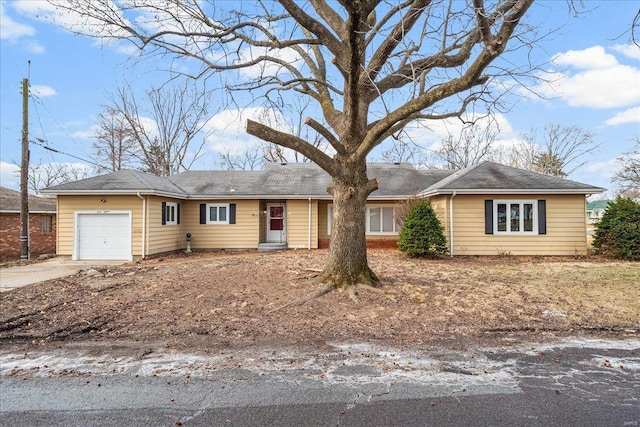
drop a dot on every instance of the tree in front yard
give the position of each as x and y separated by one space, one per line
422 234
367 67
618 232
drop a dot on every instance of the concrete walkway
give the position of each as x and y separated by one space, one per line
23 275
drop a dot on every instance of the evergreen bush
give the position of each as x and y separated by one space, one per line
422 234
617 234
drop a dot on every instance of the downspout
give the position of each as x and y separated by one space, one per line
144 223
451 222
309 243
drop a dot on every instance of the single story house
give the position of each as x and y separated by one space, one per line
42 224
486 209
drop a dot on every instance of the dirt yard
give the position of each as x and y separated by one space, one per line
216 300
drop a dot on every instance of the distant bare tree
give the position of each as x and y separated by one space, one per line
518 155
469 147
166 125
628 176
249 159
560 149
404 150
43 175
114 145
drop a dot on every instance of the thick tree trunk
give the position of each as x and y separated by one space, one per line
348 249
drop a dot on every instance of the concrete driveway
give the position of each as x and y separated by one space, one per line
23 275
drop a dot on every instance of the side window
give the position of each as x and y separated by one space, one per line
170 213
46 224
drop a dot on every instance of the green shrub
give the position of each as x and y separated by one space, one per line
617 234
422 235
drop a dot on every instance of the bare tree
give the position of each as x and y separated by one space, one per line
369 67
249 159
560 149
518 155
43 175
114 145
166 125
469 147
628 176
404 150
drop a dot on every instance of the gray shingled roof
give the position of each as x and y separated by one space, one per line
299 180
488 176
10 201
124 181
292 180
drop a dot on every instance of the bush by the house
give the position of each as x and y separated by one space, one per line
617 234
422 235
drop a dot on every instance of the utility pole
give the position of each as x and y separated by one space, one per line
24 175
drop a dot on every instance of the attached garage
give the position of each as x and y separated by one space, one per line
102 235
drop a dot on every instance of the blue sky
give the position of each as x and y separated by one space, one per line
596 70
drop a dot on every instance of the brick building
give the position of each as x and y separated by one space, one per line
42 225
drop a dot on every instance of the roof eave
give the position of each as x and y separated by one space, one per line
593 190
115 192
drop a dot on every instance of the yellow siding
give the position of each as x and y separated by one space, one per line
163 238
244 234
298 224
440 205
323 220
67 205
566 228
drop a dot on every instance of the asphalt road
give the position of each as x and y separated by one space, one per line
568 383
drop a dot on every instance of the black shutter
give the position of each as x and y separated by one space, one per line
203 213
232 213
164 213
542 217
178 214
488 217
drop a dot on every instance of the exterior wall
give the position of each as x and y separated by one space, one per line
373 240
163 238
440 205
298 224
40 243
566 228
244 234
67 205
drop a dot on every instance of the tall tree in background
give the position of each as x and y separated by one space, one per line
369 67
114 145
472 145
628 176
43 175
559 150
165 125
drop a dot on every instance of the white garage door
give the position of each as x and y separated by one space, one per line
103 236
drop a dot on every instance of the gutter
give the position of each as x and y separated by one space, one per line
309 242
144 223
451 223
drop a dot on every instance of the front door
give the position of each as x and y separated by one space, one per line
275 223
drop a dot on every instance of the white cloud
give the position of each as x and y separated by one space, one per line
226 130
631 115
604 170
587 59
12 30
429 133
43 91
33 47
593 79
9 175
629 50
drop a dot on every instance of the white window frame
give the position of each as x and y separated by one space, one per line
217 206
367 220
171 213
520 203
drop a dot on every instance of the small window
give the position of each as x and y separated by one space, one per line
515 216
46 224
217 214
171 213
